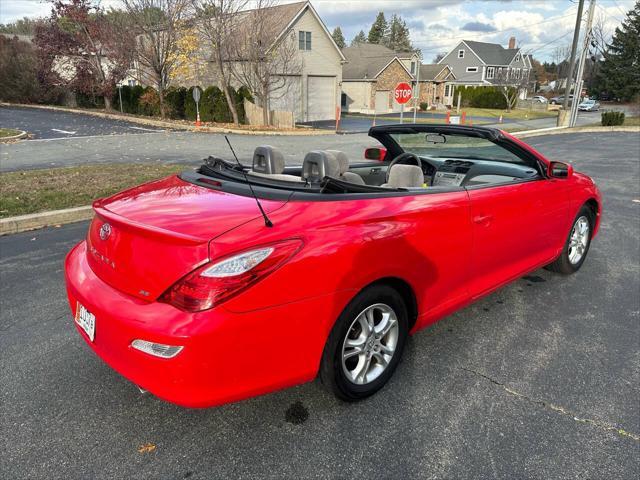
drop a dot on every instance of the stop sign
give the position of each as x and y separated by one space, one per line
403 92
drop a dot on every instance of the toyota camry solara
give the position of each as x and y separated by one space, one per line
227 282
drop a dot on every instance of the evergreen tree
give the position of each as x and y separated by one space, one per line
359 38
379 29
338 37
398 37
620 71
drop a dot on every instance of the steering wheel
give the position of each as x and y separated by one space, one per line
401 158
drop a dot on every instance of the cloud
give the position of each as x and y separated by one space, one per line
478 27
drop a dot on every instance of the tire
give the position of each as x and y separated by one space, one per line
568 263
367 353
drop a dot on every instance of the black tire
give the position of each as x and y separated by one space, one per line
332 373
562 264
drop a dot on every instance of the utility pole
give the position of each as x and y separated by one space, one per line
416 103
583 59
574 47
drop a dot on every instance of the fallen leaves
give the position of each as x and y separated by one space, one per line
146 448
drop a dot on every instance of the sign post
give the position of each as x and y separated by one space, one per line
402 93
196 98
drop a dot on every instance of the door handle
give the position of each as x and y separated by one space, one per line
483 219
376 170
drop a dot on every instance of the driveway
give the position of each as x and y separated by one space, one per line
539 380
52 124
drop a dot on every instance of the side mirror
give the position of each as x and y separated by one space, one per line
560 170
375 153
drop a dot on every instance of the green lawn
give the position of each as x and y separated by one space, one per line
8 132
55 188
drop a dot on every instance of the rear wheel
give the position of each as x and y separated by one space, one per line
366 343
577 245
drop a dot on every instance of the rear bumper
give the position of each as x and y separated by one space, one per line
226 356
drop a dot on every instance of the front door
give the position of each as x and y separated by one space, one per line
516 228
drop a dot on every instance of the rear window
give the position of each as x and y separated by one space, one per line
439 145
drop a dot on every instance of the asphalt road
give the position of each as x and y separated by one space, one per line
539 380
50 124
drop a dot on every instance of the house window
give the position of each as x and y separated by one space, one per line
517 57
304 40
413 68
460 53
132 83
517 73
447 89
472 69
491 71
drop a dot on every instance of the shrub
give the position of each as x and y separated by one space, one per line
208 102
89 100
190 105
130 99
612 118
174 100
481 97
221 112
424 106
149 102
242 93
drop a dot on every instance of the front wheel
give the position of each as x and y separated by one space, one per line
577 245
366 343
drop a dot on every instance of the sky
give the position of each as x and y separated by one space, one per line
539 26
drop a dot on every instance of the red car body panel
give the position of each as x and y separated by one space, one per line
448 248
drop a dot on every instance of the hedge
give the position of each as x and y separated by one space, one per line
481 97
178 102
610 119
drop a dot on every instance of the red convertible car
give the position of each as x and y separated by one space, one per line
227 282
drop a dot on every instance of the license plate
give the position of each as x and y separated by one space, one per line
86 320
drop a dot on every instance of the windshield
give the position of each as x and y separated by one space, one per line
439 145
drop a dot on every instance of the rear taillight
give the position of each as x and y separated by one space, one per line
226 277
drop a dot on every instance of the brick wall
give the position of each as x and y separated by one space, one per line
388 79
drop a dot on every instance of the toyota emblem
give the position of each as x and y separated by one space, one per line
105 231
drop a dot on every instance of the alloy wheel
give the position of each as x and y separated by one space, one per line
370 344
579 240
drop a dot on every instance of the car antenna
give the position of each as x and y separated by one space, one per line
267 222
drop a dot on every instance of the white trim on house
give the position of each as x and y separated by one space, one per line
390 62
472 70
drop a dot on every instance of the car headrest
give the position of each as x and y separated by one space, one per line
343 160
403 176
267 159
319 164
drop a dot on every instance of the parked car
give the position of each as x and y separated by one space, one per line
227 282
540 99
560 100
589 106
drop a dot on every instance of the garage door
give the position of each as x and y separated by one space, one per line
382 101
287 97
321 98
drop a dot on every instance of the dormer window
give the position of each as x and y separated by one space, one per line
460 53
413 68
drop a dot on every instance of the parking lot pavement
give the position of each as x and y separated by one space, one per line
51 124
539 380
168 147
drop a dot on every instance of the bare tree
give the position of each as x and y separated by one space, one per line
217 22
158 24
263 58
511 82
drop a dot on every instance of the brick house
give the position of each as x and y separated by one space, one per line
373 71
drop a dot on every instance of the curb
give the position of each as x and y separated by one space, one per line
172 125
22 134
561 130
33 221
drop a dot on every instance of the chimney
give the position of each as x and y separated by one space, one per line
512 42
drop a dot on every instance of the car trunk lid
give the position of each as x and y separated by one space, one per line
145 239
